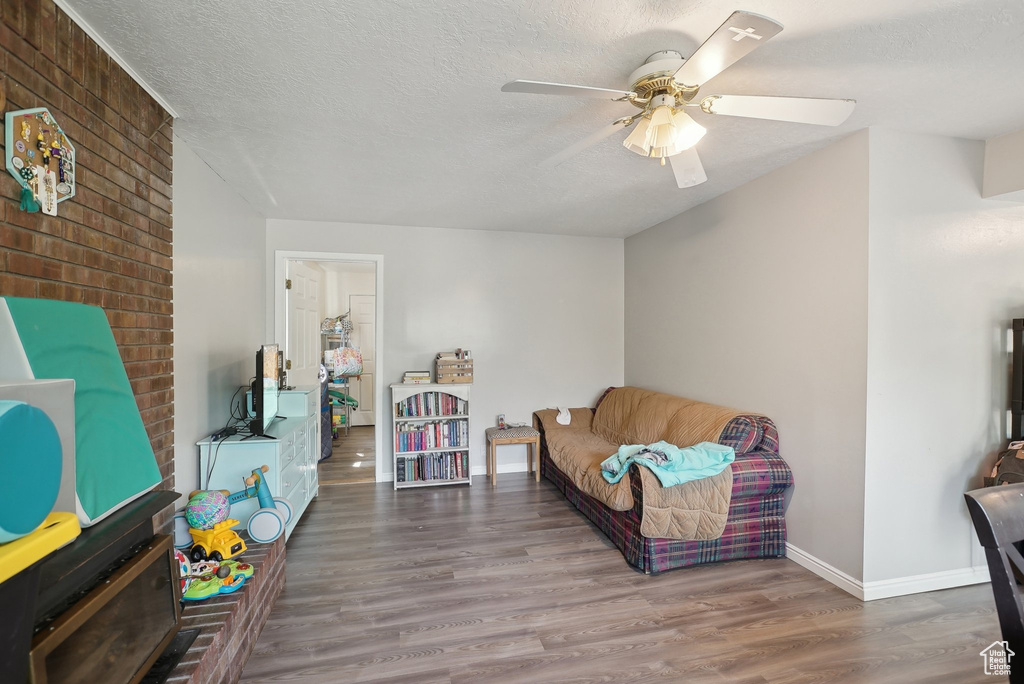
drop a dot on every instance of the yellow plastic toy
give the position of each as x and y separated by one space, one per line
217 543
57 530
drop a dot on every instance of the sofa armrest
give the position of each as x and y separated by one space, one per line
581 419
751 432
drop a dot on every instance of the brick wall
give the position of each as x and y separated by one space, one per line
110 245
231 623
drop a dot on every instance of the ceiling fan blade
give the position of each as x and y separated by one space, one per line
741 33
543 88
575 149
687 169
808 110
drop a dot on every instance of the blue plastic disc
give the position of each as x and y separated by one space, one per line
30 465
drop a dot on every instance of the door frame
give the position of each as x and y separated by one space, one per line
280 328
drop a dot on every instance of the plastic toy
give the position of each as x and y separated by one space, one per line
32 470
224 578
206 508
269 520
264 526
184 569
217 543
221 570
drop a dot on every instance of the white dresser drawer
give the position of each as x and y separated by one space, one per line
287 457
291 475
293 483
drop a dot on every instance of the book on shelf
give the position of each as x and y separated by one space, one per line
430 404
448 465
416 378
441 434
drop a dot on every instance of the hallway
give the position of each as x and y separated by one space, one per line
353 459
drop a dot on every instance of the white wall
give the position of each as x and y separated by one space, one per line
542 314
945 281
758 300
860 296
343 280
219 303
1004 173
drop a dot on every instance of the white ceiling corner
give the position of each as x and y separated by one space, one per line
113 54
389 112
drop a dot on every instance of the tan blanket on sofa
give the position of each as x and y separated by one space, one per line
630 415
692 511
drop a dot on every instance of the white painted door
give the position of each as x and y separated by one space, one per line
302 325
364 337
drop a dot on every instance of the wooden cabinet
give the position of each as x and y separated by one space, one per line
291 450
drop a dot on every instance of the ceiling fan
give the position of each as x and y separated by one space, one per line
667 83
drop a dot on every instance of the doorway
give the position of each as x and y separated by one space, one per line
330 302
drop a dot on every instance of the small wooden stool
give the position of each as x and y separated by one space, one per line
512 435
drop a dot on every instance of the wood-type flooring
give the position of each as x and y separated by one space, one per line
352 459
511 584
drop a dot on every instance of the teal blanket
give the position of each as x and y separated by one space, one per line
668 462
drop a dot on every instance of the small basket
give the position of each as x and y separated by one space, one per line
454 371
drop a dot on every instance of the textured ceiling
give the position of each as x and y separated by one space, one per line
389 112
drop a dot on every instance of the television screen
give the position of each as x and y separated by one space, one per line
271 386
265 388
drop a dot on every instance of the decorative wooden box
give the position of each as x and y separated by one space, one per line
454 370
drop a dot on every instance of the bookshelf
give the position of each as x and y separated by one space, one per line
431 434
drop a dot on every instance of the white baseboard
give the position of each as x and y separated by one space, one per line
932 581
880 589
475 471
825 571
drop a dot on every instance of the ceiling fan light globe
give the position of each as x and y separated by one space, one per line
688 131
634 148
660 132
687 137
636 141
662 136
661 116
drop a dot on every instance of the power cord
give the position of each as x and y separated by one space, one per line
224 433
238 422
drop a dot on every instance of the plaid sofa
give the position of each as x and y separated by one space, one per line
756 525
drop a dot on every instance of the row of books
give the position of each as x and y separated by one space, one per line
449 465
441 434
427 404
416 378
